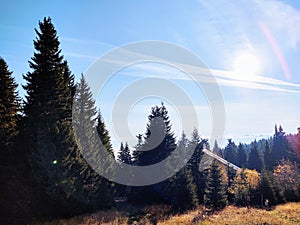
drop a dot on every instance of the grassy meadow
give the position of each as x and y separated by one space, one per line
286 214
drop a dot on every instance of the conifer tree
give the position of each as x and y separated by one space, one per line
51 146
216 149
241 156
196 145
182 191
95 188
281 148
230 152
137 149
124 154
255 160
159 143
268 157
194 164
215 192
159 123
104 134
9 106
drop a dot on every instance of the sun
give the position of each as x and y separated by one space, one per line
246 65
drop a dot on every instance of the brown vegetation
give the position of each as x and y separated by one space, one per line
287 214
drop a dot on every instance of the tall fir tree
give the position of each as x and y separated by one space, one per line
50 143
255 160
196 145
104 134
124 154
268 157
215 192
159 123
159 143
9 107
181 188
230 152
241 160
95 188
281 148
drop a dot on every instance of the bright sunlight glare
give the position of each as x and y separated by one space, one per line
246 65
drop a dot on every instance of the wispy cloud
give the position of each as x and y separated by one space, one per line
282 18
78 55
204 75
85 42
85 49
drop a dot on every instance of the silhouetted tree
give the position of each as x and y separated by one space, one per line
159 143
47 112
268 157
241 156
159 139
196 145
255 160
230 152
281 149
9 107
103 134
90 186
181 189
124 154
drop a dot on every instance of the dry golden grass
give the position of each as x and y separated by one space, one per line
287 214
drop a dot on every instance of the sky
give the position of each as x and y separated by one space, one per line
252 48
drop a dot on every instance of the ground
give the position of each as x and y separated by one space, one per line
287 214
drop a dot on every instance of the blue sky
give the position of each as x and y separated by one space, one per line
221 33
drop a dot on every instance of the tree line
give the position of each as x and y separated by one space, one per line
44 174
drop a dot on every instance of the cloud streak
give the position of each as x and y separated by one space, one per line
222 77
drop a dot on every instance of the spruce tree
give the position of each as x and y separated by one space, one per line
241 156
159 143
215 192
230 152
95 188
159 123
268 157
51 146
181 191
181 188
124 154
255 160
9 107
195 162
104 134
281 148
137 149
196 145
